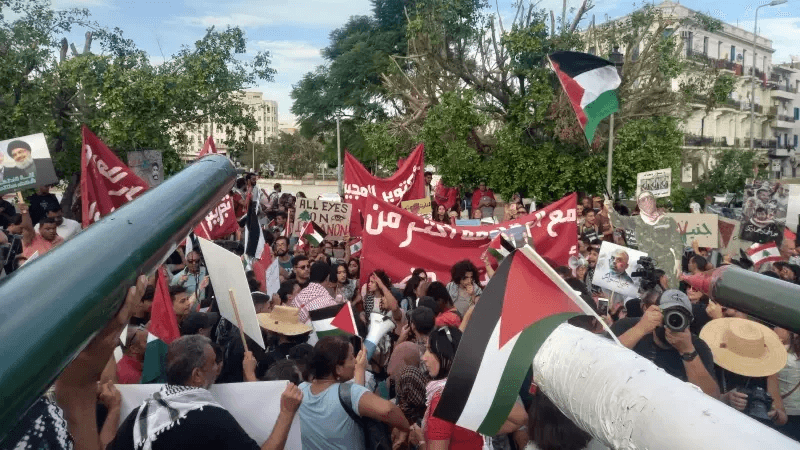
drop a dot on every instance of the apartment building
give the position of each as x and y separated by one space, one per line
264 111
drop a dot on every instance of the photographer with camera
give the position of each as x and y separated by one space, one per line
662 335
748 356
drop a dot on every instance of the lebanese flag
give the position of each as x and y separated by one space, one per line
762 253
336 320
161 331
106 183
355 248
522 304
590 82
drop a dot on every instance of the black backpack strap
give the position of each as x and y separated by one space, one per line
347 403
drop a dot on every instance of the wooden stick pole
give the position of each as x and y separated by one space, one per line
238 319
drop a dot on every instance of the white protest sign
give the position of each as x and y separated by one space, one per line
615 264
702 227
332 217
729 240
793 209
657 182
273 278
254 405
227 272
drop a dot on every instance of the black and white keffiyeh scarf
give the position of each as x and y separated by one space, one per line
165 409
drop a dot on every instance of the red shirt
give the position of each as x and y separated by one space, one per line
129 370
437 429
476 197
41 245
448 318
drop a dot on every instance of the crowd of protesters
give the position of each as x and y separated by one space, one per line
394 371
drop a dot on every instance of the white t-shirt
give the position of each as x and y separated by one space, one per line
67 229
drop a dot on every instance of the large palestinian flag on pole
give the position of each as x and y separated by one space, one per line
590 83
523 303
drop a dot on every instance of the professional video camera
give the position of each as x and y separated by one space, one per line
646 270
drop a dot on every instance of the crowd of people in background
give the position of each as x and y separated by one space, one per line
391 375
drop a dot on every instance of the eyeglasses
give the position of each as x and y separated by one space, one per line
302 267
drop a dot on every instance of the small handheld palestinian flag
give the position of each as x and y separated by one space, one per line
523 303
500 247
162 330
333 320
590 82
762 253
314 234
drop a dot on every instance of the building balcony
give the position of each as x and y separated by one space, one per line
759 109
692 140
784 91
782 121
760 143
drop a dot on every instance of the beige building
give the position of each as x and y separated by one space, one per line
775 101
264 111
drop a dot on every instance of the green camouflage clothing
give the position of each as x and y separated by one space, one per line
655 240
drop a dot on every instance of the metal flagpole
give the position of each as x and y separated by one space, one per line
610 153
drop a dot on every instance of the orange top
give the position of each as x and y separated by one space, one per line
41 245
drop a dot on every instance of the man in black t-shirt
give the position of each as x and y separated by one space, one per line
681 354
184 414
40 203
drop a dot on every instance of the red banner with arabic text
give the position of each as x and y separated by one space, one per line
220 221
106 182
408 183
398 241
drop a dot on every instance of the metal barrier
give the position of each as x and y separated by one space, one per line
51 308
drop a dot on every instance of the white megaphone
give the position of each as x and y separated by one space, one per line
576 261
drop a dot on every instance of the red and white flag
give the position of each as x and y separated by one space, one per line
106 183
220 221
762 253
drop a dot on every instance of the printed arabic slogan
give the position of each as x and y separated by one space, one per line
420 207
702 227
657 182
24 163
410 241
764 211
333 217
408 183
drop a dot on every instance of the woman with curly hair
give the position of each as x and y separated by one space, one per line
464 287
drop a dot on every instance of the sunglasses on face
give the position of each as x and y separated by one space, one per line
302 267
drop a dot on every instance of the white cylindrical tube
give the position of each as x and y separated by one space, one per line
627 402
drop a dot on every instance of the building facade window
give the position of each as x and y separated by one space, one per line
797 114
705 46
795 141
733 53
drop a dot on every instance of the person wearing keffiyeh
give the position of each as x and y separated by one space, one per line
185 415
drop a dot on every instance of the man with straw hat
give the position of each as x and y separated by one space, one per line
748 355
283 322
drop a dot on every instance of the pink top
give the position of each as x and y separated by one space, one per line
41 245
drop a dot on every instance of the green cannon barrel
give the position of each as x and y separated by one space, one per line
770 299
51 308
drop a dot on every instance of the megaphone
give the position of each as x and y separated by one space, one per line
576 261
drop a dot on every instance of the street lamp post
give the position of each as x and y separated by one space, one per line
753 81
339 158
617 59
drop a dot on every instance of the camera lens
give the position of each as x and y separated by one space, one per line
676 320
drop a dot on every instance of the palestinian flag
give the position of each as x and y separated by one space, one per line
333 320
522 304
253 236
590 83
313 233
162 330
762 253
500 247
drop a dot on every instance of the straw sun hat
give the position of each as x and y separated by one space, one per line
744 347
283 320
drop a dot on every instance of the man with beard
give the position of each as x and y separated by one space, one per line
284 258
40 168
591 258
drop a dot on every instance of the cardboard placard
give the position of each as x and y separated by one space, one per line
420 206
657 182
702 227
254 405
729 240
613 271
333 217
468 222
147 164
764 211
227 272
26 165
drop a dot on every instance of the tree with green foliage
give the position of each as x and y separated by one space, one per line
129 102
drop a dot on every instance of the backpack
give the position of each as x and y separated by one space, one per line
377 435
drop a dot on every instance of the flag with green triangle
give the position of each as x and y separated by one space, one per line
162 330
333 320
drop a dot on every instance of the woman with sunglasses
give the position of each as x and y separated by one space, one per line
436 433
